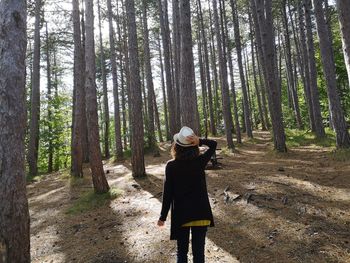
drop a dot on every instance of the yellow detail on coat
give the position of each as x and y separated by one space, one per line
198 223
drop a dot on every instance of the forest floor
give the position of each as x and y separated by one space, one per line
292 207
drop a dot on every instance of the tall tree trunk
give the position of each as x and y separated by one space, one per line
79 94
14 214
49 103
95 156
264 13
157 119
203 84
207 70
165 104
241 72
289 68
319 129
122 79
343 7
188 102
305 69
223 82
176 55
152 144
340 126
167 51
113 59
261 63
104 87
33 146
217 106
137 151
252 48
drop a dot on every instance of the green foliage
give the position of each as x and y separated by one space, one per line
91 200
297 138
60 132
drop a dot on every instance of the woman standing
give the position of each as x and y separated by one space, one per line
185 192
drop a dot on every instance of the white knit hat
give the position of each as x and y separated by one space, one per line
181 137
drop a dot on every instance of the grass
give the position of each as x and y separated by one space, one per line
91 200
341 155
297 138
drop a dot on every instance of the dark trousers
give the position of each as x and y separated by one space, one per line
198 243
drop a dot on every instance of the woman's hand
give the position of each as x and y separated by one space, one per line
160 223
193 139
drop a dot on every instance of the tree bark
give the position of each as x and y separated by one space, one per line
264 14
340 126
319 129
137 151
113 59
49 102
207 70
98 177
152 144
169 84
188 102
77 143
165 104
289 68
343 8
223 82
241 72
33 146
104 88
14 214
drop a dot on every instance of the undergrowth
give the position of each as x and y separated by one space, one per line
91 200
297 138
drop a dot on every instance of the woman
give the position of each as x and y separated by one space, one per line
185 191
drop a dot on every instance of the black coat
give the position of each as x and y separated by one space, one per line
185 190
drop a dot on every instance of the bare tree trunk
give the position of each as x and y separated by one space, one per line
104 88
176 55
342 138
137 151
344 21
152 144
49 102
207 69
167 51
77 143
113 59
188 102
252 48
33 146
289 68
241 72
85 137
95 157
203 84
14 214
223 82
165 104
157 119
217 106
319 129
264 13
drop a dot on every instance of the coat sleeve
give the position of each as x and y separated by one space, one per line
205 157
167 195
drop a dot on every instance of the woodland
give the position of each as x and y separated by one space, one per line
92 92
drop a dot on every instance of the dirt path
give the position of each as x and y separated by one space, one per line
293 207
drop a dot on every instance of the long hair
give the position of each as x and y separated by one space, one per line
184 153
